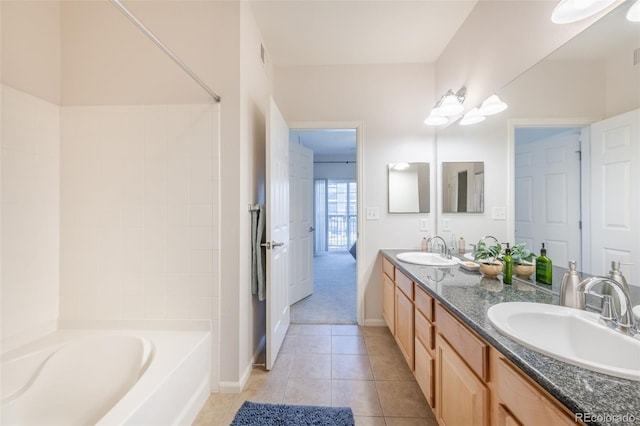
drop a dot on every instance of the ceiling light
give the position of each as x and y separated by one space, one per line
472 117
633 14
436 120
568 11
492 105
399 166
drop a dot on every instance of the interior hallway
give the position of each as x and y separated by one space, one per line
333 365
334 293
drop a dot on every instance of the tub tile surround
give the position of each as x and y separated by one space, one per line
30 216
344 374
469 295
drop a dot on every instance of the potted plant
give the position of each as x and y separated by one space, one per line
489 258
522 261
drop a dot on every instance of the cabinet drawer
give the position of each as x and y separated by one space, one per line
425 372
388 268
526 402
474 351
424 331
423 302
405 284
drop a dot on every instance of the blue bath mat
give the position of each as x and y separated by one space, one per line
259 414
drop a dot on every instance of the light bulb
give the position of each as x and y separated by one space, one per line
633 14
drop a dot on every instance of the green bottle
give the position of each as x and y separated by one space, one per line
544 271
507 274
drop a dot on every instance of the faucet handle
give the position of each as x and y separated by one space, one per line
608 314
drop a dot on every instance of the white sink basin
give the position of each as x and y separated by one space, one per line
570 335
426 259
468 256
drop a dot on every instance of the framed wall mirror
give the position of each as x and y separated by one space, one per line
463 187
409 187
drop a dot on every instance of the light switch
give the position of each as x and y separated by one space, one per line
373 213
424 224
499 213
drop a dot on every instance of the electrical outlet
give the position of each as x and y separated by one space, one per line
499 213
424 224
445 224
373 213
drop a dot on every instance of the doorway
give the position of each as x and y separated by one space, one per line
333 299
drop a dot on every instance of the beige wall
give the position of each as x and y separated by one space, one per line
31 47
391 101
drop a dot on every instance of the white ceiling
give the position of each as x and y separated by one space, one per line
331 32
338 142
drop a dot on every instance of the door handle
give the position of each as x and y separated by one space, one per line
311 229
269 245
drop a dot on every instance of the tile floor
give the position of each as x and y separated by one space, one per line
334 365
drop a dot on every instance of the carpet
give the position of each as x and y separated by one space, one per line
260 414
334 292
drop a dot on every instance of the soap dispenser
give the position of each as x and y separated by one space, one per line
569 288
507 273
615 275
544 270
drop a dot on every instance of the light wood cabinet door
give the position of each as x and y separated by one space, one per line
505 418
404 326
461 397
388 303
425 372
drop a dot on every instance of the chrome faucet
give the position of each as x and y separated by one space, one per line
445 253
486 237
623 321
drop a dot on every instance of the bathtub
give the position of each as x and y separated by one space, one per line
107 377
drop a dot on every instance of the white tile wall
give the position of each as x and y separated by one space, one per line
138 232
30 215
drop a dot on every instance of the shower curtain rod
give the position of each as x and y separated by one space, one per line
164 48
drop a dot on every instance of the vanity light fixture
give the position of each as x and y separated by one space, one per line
399 166
633 14
492 105
448 105
568 11
472 117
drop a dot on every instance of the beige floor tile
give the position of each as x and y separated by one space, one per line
309 344
289 344
380 344
308 392
350 367
369 421
294 329
360 395
345 330
315 329
376 331
402 399
391 366
411 421
311 366
348 345
281 367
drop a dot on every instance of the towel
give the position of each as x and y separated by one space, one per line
257 254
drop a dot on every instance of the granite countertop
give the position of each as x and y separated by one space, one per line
599 398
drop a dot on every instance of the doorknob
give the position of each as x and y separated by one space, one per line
269 245
311 229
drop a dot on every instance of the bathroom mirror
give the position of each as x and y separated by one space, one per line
408 187
590 79
463 187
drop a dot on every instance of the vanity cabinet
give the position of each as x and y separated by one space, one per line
424 344
462 394
388 303
519 401
404 320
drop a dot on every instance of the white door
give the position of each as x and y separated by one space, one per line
300 222
547 194
615 193
277 232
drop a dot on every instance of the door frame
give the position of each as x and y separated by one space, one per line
512 123
358 127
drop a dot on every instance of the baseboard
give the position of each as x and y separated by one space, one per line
237 387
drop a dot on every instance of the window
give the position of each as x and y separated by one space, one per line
336 209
